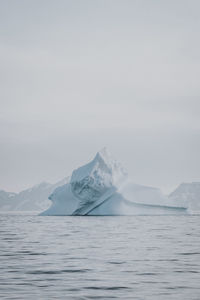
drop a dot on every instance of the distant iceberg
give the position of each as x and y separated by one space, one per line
188 194
102 187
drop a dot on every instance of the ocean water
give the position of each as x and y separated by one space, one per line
139 257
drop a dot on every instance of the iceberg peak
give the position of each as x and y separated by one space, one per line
104 154
103 167
91 181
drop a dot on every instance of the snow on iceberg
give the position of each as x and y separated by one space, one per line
102 187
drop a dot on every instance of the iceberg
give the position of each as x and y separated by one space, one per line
187 194
102 187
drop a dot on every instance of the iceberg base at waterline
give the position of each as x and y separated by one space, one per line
102 187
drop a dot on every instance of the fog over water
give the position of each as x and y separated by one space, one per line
80 75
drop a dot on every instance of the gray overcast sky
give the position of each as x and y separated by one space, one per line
79 75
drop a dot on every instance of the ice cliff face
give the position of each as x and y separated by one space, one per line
101 187
99 177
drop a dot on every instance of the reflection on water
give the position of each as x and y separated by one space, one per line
139 257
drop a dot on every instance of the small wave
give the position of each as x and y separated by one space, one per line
106 288
189 253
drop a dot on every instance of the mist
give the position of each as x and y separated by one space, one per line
80 75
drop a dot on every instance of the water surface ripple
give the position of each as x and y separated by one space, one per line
139 257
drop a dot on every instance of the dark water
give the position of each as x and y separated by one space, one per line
143 257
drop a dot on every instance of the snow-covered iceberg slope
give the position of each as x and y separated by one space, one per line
102 187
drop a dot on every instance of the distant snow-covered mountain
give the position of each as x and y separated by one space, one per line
32 199
6 200
189 194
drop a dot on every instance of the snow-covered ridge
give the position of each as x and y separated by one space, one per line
31 199
102 187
